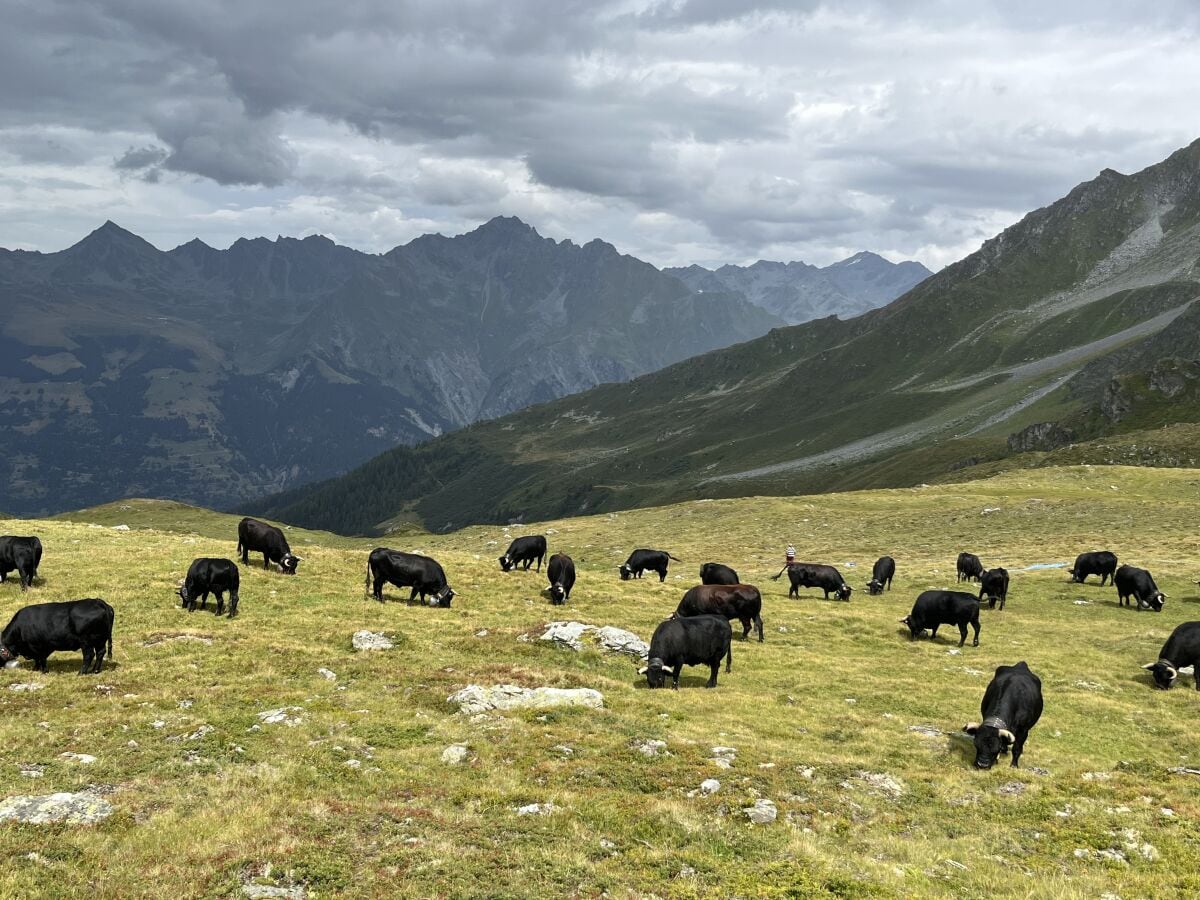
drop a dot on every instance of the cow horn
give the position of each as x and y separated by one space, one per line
904 621
1007 736
1150 666
669 670
643 670
971 727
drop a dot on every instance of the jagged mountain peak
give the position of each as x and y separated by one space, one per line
110 236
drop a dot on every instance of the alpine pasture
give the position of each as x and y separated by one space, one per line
847 726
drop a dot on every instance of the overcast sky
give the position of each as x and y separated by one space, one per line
705 131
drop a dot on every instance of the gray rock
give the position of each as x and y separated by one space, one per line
281 716
475 699
651 748
369 640
27 686
537 809
271 891
84 759
327 674
455 754
763 812
83 808
615 640
709 786
32 770
1011 789
884 782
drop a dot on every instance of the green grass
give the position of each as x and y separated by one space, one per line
832 692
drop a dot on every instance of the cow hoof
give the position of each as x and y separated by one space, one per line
975 643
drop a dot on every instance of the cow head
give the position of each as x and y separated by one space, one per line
505 562
1164 673
874 586
442 598
656 672
288 564
181 590
1155 601
914 630
844 592
8 658
557 593
991 739
626 572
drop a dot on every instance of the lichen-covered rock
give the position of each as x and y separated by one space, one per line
370 640
763 812
455 754
474 698
83 808
615 640
281 716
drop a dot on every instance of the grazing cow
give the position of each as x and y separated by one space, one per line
1182 649
561 572
1099 562
423 574
37 631
24 554
210 575
270 542
881 575
811 575
715 573
693 641
968 567
524 550
1012 704
994 586
640 560
733 601
936 608
1138 584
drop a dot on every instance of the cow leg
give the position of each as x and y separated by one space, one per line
99 663
1018 749
675 677
266 561
746 623
220 603
233 602
962 629
715 667
759 626
539 568
413 595
87 659
1003 600
378 592
933 633
975 625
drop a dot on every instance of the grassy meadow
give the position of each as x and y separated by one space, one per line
354 799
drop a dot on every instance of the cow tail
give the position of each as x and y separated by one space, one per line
367 582
729 658
672 556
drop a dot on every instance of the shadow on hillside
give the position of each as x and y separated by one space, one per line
65 665
686 682
1194 598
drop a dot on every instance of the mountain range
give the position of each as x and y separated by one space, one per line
797 292
1073 332
213 376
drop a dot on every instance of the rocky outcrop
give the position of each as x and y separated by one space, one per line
1040 436
83 808
474 699
615 640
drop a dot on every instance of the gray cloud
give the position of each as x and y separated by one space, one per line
680 130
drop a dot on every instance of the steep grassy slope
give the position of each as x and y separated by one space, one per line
1083 314
828 702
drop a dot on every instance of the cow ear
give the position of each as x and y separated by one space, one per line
971 727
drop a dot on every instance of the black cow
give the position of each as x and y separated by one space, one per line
270 542
936 608
641 560
994 586
716 573
210 575
810 575
422 573
1099 562
881 575
733 601
1138 584
524 550
693 641
1012 704
561 572
24 554
37 631
1181 649
968 567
